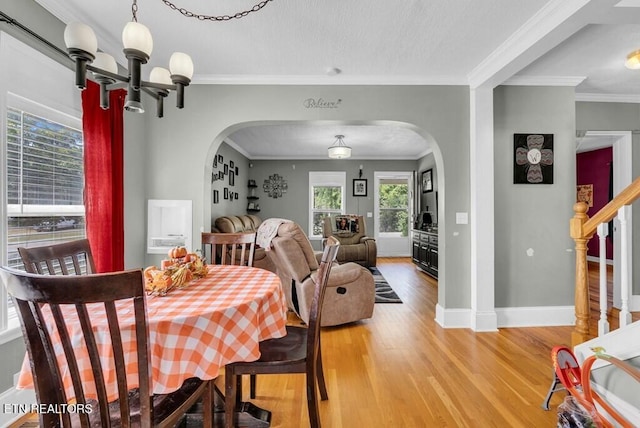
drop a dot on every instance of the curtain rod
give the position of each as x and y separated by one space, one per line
9 20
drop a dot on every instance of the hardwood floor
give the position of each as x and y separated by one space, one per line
401 369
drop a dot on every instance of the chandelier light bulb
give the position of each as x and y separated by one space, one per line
181 64
137 36
105 62
80 36
160 75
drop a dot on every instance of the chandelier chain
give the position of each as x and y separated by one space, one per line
201 17
134 10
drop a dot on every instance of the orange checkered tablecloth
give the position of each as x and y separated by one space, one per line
193 331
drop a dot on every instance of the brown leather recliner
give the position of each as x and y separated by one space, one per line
351 232
350 295
245 223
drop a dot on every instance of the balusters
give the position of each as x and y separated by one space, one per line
603 322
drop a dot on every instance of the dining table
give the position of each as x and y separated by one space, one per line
194 331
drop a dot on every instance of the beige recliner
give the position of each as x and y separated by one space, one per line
351 232
350 295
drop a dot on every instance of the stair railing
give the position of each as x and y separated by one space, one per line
582 229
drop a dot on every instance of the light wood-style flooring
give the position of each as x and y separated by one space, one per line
401 369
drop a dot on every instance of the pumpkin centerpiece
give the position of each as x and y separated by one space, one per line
175 272
177 252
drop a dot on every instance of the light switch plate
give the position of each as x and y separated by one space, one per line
462 218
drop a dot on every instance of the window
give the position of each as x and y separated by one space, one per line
44 183
394 203
326 198
41 158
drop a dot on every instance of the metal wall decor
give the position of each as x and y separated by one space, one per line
275 186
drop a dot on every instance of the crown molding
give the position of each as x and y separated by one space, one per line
544 81
539 26
203 79
608 98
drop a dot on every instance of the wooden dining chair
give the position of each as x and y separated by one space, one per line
230 248
73 257
38 300
297 352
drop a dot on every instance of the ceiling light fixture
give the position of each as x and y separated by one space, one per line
339 150
633 60
82 47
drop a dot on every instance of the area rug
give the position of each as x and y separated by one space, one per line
384 292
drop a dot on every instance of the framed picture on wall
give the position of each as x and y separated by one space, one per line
216 197
226 193
427 181
533 158
359 187
232 178
226 169
231 165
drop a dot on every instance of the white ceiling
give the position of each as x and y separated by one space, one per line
462 42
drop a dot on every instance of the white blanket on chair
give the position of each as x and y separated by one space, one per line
267 230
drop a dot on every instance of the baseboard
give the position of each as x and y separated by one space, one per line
13 398
483 321
597 260
453 318
536 316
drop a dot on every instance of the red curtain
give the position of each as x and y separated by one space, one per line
103 171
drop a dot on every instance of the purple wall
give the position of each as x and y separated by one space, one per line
593 168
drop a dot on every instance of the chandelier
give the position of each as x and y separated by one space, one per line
82 47
339 150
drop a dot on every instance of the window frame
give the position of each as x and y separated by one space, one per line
325 179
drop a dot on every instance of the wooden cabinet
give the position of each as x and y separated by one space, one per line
425 251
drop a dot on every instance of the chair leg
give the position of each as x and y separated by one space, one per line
208 404
553 388
320 375
312 401
230 385
252 386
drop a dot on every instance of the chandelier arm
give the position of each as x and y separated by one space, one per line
187 13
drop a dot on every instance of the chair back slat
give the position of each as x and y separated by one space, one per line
70 356
40 298
73 257
230 248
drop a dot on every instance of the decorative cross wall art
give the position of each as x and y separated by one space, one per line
275 186
533 158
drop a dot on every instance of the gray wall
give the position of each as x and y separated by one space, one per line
428 201
529 216
186 140
294 205
230 206
617 117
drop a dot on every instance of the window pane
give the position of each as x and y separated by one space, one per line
394 200
327 197
394 221
394 195
45 181
317 220
40 231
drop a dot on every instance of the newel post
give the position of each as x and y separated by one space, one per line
576 226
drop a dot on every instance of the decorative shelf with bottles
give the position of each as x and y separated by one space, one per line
252 204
